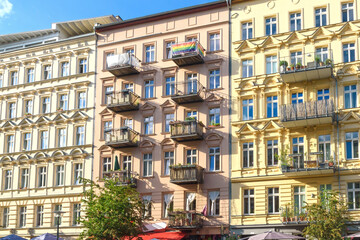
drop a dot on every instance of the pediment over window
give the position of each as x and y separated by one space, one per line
7 159
270 41
23 157
106 112
58 153
350 117
247 128
147 109
168 105
40 155
105 148
9 124
321 33
77 151
213 139
214 99
79 116
60 118
295 37
271 125
348 28
168 144
43 120
25 122
246 45
146 146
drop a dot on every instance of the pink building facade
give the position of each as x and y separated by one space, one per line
162 115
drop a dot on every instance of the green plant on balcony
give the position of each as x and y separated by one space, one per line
328 62
302 216
298 65
284 158
292 66
214 124
287 213
190 119
317 59
284 63
331 161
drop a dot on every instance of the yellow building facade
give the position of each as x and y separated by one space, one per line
295 92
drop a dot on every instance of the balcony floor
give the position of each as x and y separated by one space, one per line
188 60
300 172
122 107
307 74
123 71
121 144
187 98
183 138
307 122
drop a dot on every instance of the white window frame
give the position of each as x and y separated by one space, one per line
60 174
353 138
320 12
353 187
248 152
215 41
150 53
65 69
249 195
22 216
246 33
214 153
62 137
80 135
27 141
299 192
296 16
272 62
191 156
39 215
8 174
346 8
169 160
44 139
147 165
273 146
78 173
275 196
149 125
214 79
247 68
272 21
24 181
76 214
42 177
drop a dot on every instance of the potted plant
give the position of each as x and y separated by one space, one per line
317 60
292 66
328 62
298 65
189 119
60 109
284 159
284 216
283 65
331 162
302 217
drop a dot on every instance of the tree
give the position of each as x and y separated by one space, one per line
327 217
111 212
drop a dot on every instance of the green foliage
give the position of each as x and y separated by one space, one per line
112 212
284 63
283 157
327 218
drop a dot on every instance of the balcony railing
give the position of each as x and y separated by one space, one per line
122 137
186 174
186 130
185 220
123 178
305 67
123 101
189 92
307 113
122 64
187 53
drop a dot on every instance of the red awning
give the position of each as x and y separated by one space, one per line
162 236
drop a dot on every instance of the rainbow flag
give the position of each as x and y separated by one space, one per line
187 47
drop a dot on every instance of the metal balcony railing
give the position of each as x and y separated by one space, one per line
122 137
122 64
186 130
186 174
123 178
185 220
123 101
188 92
187 53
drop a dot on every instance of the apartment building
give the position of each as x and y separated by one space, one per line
47 87
295 124
162 114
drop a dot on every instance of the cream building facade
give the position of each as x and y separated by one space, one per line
295 68
47 87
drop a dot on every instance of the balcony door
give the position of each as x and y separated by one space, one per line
192 83
298 149
127 166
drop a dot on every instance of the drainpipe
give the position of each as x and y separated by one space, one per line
337 130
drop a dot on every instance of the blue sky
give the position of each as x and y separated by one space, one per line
29 15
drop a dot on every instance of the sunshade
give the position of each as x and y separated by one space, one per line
46 236
273 235
12 237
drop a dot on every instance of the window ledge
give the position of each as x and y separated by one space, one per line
148 63
164 176
144 99
213 172
216 51
147 135
214 89
214 127
149 177
167 59
209 216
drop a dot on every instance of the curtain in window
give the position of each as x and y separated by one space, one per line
190 198
147 203
213 196
168 198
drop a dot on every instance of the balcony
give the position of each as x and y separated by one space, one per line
122 178
186 130
188 92
314 165
186 174
307 67
121 138
123 101
122 64
184 220
187 53
307 113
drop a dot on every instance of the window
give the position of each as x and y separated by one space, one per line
57 219
270 26
247 68
324 188
78 173
46 105
8 179
14 78
296 58
191 38
147 205
109 91
30 75
129 86
168 53
170 86
44 139
299 200
83 65
190 202
214 42
249 201
352 145
22 217
168 119
149 88
1 80
27 142
350 96
47 72
271 64
42 177
28 106
10 144
39 215
12 110
80 135
354 195
247 30
248 154
76 214
295 22
24 178
320 17
248 109
63 103
62 137
191 156
150 53
214 116
297 98
106 164
107 128
149 125
127 163
60 170
168 204
147 164
82 100
130 51
191 114
347 10
322 53
214 203
272 152
298 148
323 94
192 83
214 157
349 52
6 215
272 106
273 200
324 147
214 79
168 161
64 69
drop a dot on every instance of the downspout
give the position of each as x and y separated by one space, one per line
337 130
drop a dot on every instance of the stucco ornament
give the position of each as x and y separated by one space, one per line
271 4
247 9
295 1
